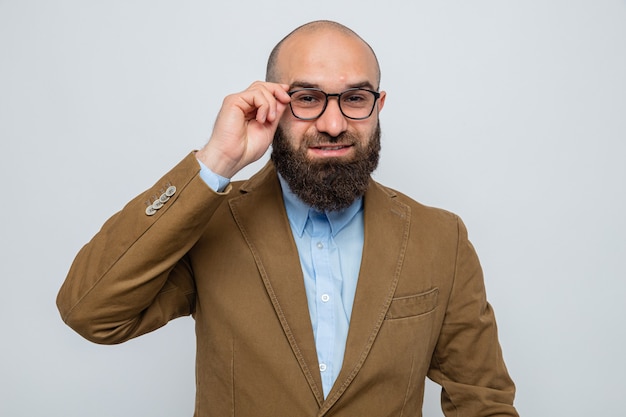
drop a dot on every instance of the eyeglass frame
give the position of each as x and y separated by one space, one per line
376 95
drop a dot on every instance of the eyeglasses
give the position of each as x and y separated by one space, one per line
354 103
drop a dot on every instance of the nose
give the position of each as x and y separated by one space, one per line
332 121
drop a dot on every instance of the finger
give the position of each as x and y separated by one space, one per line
280 92
260 102
252 103
277 97
266 103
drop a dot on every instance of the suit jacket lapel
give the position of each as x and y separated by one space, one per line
386 232
271 242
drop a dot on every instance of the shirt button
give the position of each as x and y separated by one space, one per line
320 245
325 298
322 367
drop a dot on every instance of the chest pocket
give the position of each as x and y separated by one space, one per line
413 305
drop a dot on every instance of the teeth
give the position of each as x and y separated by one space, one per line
333 148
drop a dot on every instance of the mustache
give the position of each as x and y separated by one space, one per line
320 138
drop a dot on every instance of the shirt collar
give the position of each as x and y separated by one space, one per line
298 211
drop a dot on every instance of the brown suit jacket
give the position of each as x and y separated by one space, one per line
229 259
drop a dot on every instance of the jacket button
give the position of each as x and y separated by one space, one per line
171 190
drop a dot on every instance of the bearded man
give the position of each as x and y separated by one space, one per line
316 291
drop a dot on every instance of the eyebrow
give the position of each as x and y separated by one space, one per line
304 84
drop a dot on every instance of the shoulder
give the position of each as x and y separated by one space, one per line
417 208
432 223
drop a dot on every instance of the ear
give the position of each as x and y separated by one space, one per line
381 100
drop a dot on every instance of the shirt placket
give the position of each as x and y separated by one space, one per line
325 296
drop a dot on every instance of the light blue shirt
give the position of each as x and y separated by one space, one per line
330 246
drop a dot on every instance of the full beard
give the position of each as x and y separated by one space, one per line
328 184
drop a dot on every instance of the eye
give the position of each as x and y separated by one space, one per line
356 98
307 98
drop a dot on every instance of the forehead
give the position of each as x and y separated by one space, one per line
327 59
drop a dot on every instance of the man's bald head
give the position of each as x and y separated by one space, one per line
312 28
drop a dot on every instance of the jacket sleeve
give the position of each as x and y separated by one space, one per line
133 276
467 361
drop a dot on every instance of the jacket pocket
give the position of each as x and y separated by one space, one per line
413 305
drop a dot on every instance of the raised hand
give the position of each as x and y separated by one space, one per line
244 128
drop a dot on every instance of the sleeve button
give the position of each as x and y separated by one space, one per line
171 190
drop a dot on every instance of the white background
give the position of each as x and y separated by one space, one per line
510 113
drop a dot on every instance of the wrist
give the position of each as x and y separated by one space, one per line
217 163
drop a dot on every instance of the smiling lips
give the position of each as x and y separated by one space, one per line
330 150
